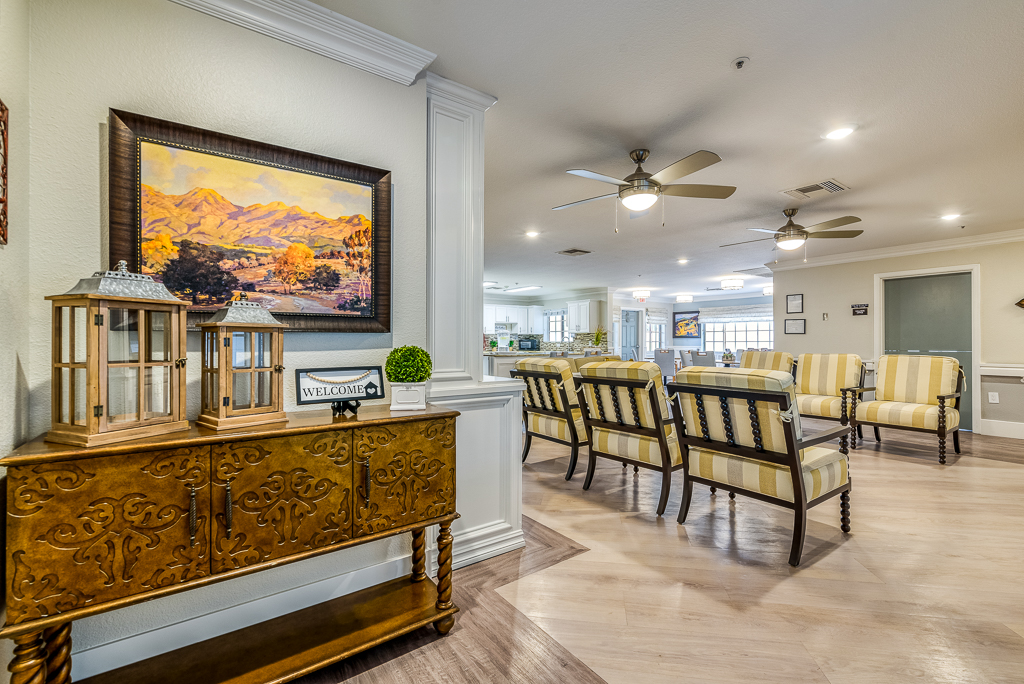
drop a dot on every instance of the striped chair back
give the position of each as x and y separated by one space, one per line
624 393
767 360
546 380
745 407
826 374
915 379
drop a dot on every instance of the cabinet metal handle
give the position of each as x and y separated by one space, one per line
192 515
227 508
366 482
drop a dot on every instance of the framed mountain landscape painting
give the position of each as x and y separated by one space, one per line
211 216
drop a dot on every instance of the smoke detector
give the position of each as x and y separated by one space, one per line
825 187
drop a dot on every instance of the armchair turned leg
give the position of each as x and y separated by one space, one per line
853 421
713 490
666 488
591 466
942 431
844 511
878 435
860 432
732 495
956 440
572 461
799 527
684 507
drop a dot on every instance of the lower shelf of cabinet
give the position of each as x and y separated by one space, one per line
295 644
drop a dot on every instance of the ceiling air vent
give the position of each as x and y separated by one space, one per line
574 252
759 272
816 190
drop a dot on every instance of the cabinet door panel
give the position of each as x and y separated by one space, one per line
288 495
404 473
94 530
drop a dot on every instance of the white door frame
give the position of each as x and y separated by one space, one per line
978 426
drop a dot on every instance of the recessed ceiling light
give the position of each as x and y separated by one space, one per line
950 217
840 133
488 283
683 261
532 233
523 288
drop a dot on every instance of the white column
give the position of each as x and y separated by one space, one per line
489 486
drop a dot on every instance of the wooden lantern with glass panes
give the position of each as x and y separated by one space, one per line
243 379
118 360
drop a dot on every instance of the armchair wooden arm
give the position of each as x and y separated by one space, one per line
826 436
951 395
858 390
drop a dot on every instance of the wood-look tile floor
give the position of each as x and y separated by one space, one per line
928 587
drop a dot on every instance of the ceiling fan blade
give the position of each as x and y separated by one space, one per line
834 223
837 234
573 204
593 175
733 244
706 191
764 230
684 167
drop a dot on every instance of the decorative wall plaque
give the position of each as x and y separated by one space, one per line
344 388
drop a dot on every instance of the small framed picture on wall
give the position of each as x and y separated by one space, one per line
796 326
794 303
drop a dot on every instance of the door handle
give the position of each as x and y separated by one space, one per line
192 516
228 505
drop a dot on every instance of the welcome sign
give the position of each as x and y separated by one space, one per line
327 385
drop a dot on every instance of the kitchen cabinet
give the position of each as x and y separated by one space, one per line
490 317
583 316
535 317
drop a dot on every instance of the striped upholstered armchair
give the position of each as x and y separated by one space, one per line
629 420
551 407
767 360
820 379
740 431
911 393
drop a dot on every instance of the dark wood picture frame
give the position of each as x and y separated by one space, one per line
4 143
125 129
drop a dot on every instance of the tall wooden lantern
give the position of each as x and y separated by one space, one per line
118 360
243 379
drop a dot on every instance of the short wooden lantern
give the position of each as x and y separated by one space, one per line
118 360
243 379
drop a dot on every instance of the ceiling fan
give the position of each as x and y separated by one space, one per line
791 236
640 190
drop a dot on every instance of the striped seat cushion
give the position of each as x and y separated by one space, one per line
826 374
556 427
777 361
823 471
905 414
636 447
820 405
915 379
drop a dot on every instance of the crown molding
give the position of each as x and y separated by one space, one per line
311 27
439 85
904 250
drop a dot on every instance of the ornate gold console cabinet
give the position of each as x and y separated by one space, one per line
91 530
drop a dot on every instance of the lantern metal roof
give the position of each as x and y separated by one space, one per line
122 283
242 312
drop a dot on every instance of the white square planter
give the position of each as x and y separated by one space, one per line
408 396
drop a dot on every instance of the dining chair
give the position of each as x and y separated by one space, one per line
666 360
703 358
685 358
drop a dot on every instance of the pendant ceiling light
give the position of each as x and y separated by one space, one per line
732 284
641 295
684 299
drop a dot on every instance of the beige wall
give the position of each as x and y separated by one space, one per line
832 289
161 59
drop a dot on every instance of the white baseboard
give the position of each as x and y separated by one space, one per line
473 546
999 428
144 645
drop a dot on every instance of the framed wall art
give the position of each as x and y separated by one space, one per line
796 326
3 172
794 303
211 215
685 324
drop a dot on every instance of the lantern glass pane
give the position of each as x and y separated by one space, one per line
241 390
80 388
64 392
263 389
81 333
241 349
263 348
159 336
123 336
122 394
64 322
210 342
157 392
211 392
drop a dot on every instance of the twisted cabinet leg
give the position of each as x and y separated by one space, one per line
844 511
29 663
444 577
419 555
58 654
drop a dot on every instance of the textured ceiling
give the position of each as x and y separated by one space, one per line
936 88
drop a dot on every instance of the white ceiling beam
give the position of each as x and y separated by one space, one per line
311 27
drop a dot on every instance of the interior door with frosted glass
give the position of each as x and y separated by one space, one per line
931 315
630 333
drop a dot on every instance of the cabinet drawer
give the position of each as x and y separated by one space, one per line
89 531
404 473
287 495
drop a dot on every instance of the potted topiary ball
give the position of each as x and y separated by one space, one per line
408 369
